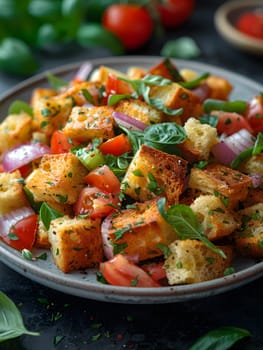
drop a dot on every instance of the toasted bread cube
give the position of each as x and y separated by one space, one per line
12 195
85 124
216 220
202 136
152 173
51 113
101 74
139 110
42 236
190 261
15 129
140 232
230 185
253 165
59 178
78 91
249 239
76 243
175 96
136 72
39 93
255 196
220 88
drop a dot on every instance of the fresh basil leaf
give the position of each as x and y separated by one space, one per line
258 146
118 165
47 214
185 223
195 82
209 119
11 321
184 47
18 106
156 80
165 134
220 339
114 99
136 138
56 83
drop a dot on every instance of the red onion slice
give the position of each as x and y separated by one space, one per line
107 246
128 122
11 218
21 155
256 179
83 72
240 141
223 153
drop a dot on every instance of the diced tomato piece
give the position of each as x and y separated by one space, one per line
230 122
22 235
25 170
96 203
61 143
155 270
104 179
119 271
255 114
116 145
2 170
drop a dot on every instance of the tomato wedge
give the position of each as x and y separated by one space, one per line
104 179
119 271
230 122
61 143
155 270
116 145
22 235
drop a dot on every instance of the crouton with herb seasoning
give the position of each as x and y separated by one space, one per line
39 93
76 243
83 92
51 113
15 129
175 96
12 195
153 173
85 124
139 110
219 87
140 231
252 165
59 178
230 185
249 238
216 220
190 261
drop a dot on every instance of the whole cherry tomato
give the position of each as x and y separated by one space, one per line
174 12
132 23
251 23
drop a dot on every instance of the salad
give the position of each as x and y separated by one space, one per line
152 176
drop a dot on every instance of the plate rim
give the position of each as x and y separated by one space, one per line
110 293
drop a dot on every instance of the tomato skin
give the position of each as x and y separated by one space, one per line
132 23
175 12
119 271
117 86
104 179
255 114
155 270
61 143
230 122
116 146
251 23
25 230
95 203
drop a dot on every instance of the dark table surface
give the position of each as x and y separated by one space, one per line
89 324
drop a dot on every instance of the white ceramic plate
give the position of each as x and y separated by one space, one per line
85 284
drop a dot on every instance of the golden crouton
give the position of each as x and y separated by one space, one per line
220 88
76 243
152 173
59 178
175 96
190 261
215 219
15 129
139 110
231 186
79 92
51 113
85 124
42 236
41 93
101 74
140 231
136 72
252 165
249 238
255 195
12 195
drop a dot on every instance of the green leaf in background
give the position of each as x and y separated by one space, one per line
11 322
45 9
184 47
94 35
18 106
16 57
220 339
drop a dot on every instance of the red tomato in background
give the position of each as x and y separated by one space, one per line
116 145
132 23
119 271
22 235
104 179
251 23
95 203
230 122
255 114
175 12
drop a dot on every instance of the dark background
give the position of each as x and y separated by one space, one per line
88 324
